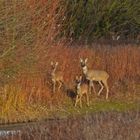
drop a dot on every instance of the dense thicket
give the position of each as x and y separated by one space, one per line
90 19
38 21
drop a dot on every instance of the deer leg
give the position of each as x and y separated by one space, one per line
54 84
107 88
87 97
60 84
101 88
92 85
76 100
80 101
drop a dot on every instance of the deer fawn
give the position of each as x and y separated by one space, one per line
95 75
81 90
56 76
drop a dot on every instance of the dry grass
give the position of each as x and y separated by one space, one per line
16 108
30 96
121 62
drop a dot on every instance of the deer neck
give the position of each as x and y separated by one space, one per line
53 72
85 69
78 87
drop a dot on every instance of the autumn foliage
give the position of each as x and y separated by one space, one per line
35 32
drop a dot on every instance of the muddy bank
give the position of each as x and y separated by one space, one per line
97 126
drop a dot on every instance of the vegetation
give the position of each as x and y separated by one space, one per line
33 33
101 125
91 19
29 96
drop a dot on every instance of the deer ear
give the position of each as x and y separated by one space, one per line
118 37
80 78
113 37
76 78
56 63
86 60
81 60
51 62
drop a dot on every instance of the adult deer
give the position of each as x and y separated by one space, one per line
56 76
95 75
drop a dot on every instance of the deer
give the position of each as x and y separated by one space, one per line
56 76
91 75
115 36
81 90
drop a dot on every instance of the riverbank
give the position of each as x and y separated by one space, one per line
101 125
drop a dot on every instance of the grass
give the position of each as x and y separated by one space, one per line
55 117
17 109
29 97
99 125
95 106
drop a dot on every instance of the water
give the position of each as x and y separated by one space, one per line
101 126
